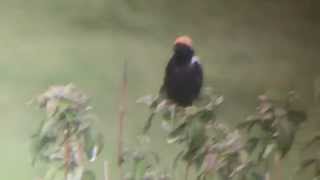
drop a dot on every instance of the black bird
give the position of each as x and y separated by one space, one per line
183 75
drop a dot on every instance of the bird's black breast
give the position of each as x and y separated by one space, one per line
182 83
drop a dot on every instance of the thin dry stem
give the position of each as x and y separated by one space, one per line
278 167
106 170
80 154
187 171
267 176
122 113
67 154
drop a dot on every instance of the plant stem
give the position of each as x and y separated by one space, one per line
67 153
106 170
122 113
80 154
187 171
267 176
278 167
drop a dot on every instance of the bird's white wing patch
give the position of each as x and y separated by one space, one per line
195 59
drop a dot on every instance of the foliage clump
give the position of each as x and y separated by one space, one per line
274 125
271 131
216 150
66 139
209 146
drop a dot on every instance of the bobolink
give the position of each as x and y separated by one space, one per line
184 74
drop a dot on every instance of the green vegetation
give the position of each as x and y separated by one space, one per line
66 140
217 151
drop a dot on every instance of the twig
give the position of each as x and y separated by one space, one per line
122 112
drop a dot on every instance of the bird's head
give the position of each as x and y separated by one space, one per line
183 51
184 40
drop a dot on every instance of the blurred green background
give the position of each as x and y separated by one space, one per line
247 47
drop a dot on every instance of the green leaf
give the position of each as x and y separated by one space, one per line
148 100
70 116
148 124
268 150
191 110
177 134
261 148
199 157
307 163
249 123
206 116
252 144
238 170
38 144
315 139
93 144
196 139
49 128
219 100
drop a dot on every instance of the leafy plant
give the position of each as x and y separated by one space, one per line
220 152
272 129
211 147
66 139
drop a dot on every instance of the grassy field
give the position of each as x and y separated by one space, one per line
246 49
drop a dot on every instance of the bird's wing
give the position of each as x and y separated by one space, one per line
168 70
